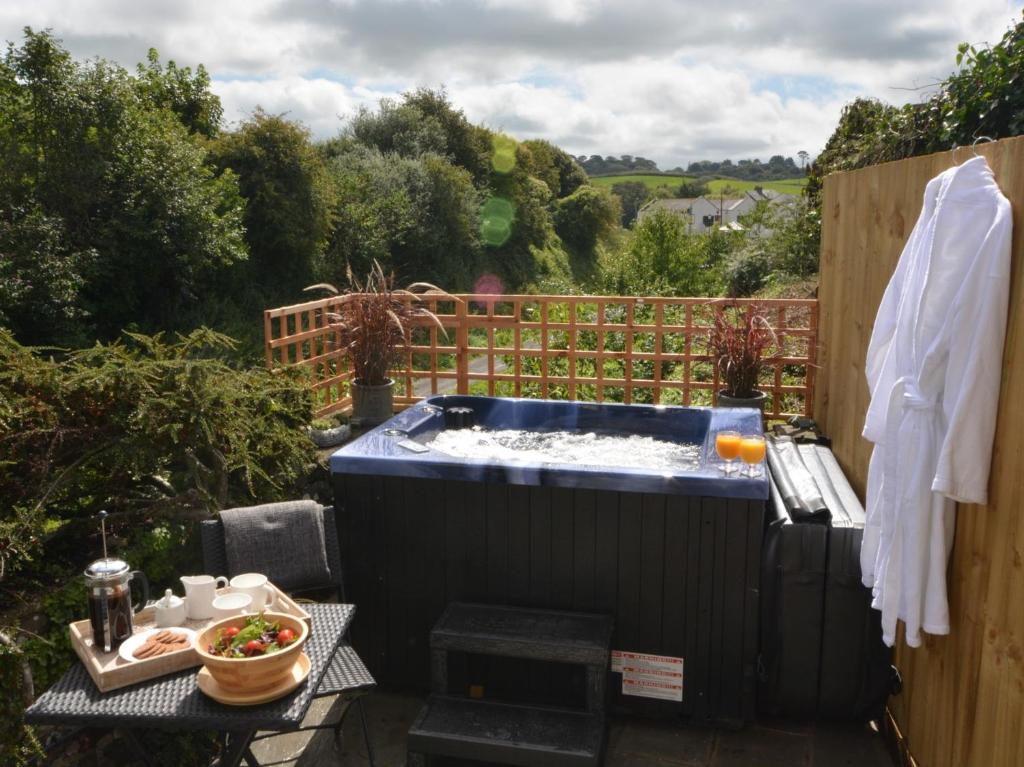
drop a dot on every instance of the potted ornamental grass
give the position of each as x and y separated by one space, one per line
373 323
741 343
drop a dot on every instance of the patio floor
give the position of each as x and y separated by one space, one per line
630 743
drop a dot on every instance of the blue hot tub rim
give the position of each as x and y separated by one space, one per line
379 452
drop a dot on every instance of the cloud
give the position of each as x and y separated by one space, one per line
322 105
664 111
673 80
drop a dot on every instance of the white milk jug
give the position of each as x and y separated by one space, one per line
199 593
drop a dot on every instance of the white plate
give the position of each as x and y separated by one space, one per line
135 641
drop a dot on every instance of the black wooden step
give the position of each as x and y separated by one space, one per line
529 736
519 632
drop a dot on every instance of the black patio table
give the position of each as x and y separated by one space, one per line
174 702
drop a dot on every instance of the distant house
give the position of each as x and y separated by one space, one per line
706 212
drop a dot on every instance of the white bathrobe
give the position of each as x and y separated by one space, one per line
933 367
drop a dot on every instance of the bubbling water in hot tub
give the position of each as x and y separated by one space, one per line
565 447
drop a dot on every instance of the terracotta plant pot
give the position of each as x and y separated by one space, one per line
259 673
372 405
756 402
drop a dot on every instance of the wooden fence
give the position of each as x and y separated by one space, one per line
963 694
591 348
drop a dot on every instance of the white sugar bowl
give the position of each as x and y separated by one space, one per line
170 610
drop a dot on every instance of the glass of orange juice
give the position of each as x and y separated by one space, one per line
752 453
727 445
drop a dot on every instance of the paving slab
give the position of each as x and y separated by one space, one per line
848 745
757 746
304 749
631 742
637 742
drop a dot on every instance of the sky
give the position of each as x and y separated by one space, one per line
670 80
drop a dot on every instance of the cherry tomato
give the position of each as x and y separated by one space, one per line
253 647
285 636
227 635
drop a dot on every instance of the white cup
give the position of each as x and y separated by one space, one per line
199 593
256 586
231 604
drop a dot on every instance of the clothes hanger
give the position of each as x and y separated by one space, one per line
974 144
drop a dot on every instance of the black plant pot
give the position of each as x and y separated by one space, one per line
756 402
372 405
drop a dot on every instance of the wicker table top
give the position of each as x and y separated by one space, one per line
174 702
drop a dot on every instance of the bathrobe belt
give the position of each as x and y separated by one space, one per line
905 395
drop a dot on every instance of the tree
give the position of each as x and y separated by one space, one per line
188 96
425 121
416 216
982 98
786 250
802 154
585 216
695 188
465 144
445 247
541 163
750 169
596 165
289 202
555 167
664 259
632 196
40 278
114 175
530 201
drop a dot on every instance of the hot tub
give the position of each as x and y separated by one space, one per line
670 548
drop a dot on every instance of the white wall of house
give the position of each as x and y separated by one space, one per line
703 213
708 212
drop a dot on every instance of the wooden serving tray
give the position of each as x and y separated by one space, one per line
111 672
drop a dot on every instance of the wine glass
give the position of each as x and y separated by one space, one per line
727 445
752 452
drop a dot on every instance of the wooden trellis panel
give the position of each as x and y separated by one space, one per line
591 348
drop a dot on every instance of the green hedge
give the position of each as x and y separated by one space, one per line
158 432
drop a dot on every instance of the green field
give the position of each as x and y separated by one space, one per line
717 186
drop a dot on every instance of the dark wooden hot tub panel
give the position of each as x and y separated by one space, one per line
679 574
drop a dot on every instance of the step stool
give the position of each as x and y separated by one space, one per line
507 733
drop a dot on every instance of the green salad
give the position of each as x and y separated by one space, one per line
258 637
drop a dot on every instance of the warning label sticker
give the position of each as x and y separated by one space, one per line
649 676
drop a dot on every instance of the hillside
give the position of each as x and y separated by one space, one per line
654 181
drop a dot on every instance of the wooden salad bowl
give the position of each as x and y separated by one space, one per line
258 673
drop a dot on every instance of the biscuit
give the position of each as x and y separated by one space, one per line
160 644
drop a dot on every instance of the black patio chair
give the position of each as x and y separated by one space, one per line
346 666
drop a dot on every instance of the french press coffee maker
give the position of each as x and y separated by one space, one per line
108 582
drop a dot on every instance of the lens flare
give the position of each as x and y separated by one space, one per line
503 154
489 284
496 217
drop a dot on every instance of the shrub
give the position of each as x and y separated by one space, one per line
158 432
662 258
748 271
586 215
417 216
739 341
40 276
